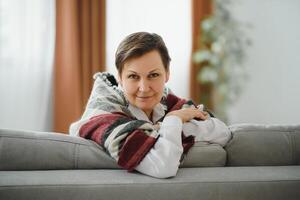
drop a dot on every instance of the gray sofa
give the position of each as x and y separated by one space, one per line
260 162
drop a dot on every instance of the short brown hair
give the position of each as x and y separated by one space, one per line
138 44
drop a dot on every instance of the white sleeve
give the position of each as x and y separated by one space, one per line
211 130
163 160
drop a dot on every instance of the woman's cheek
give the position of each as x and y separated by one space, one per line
129 89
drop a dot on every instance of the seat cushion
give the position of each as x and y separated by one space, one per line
31 150
259 183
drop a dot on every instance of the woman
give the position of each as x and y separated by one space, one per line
138 121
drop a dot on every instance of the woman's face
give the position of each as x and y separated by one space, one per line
143 80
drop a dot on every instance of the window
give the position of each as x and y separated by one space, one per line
26 57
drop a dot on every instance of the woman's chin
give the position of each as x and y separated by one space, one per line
145 107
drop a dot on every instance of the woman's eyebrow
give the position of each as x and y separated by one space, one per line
154 70
131 71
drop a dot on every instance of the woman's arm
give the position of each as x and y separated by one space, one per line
210 130
163 160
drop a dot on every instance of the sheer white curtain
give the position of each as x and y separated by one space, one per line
27 31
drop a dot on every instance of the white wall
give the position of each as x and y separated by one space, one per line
272 94
168 18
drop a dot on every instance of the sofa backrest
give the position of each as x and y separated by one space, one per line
251 145
257 145
32 150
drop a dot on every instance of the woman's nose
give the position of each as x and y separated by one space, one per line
144 86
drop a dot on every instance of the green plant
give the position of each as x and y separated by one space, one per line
221 56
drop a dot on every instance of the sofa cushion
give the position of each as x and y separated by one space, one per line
203 154
254 145
31 150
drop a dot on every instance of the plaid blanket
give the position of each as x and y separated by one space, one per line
124 138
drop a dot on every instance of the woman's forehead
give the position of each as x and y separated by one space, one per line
146 63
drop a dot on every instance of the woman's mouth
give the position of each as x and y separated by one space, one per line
144 97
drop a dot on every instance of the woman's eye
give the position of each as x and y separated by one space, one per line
133 76
153 75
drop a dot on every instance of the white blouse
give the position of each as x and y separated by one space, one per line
163 160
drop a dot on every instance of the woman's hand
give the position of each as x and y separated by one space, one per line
186 114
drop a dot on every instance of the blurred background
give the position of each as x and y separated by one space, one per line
240 58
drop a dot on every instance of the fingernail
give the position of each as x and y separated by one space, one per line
200 107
